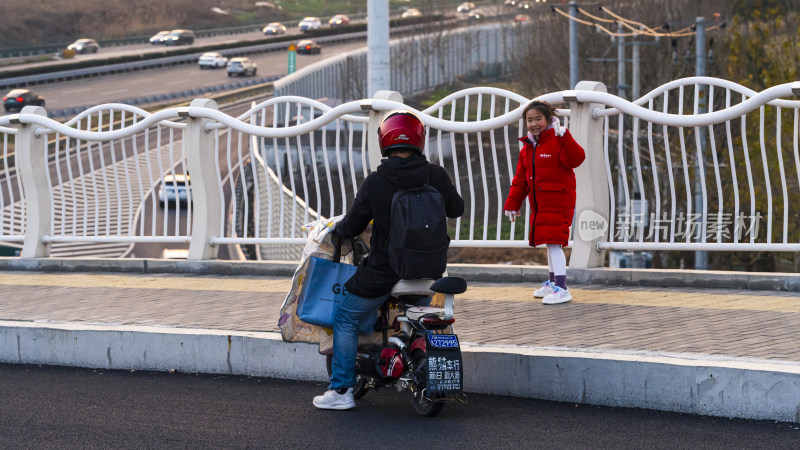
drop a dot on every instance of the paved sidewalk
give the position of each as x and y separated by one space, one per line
759 325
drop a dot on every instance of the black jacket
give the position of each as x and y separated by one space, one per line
374 201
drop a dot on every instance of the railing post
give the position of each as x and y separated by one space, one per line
32 166
373 145
205 197
592 202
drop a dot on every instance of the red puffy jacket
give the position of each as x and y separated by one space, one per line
549 184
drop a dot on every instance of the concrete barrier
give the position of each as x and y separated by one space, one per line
731 387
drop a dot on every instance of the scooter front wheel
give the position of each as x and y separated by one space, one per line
423 406
361 383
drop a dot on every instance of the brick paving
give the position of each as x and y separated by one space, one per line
719 322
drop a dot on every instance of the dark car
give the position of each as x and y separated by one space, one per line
308 47
477 14
178 37
84 46
19 98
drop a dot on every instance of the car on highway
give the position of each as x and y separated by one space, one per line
175 188
521 18
19 98
274 28
525 6
411 12
309 23
212 60
241 66
511 3
477 15
339 20
465 7
158 38
84 46
179 37
308 47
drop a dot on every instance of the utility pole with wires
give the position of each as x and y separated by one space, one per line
702 55
573 45
701 257
625 28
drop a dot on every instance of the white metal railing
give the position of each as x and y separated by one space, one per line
721 180
253 180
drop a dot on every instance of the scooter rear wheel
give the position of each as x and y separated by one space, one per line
361 384
423 406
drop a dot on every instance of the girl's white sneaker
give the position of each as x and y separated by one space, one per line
558 296
545 290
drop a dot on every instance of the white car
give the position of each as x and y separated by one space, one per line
241 66
309 23
411 12
274 28
175 188
465 7
212 60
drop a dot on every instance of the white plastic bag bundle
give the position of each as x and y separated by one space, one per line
319 244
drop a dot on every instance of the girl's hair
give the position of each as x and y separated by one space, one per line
541 106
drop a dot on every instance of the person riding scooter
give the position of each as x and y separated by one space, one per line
402 140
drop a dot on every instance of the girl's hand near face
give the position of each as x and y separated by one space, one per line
557 127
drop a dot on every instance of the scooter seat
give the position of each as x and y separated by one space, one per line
416 312
412 287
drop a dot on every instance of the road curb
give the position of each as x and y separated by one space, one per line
664 278
695 384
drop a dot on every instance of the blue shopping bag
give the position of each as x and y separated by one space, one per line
323 291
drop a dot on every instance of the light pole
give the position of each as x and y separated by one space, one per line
378 64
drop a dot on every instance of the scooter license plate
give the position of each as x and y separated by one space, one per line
445 371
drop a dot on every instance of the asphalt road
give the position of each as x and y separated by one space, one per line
137 49
117 87
56 407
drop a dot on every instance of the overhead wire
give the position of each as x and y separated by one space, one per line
637 28
599 27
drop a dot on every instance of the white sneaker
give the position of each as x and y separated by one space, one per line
545 290
558 296
334 400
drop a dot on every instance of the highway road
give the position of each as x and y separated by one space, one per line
112 88
56 407
245 39
139 49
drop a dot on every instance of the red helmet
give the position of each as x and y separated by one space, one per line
401 129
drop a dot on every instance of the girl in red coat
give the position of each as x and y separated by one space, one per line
544 175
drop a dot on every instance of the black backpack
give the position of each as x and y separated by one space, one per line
418 239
